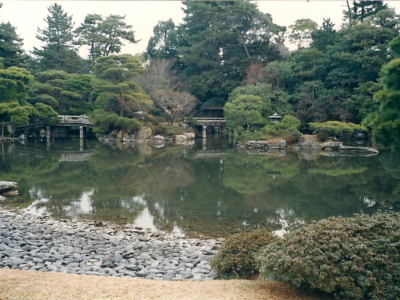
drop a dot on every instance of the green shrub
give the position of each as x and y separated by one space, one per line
336 128
354 257
192 122
288 125
236 256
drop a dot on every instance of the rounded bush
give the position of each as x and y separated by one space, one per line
355 258
236 256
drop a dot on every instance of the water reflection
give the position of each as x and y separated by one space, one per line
206 188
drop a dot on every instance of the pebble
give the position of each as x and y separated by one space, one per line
41 243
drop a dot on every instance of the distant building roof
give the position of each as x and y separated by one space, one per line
275 116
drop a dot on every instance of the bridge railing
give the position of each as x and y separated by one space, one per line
74 119
210 119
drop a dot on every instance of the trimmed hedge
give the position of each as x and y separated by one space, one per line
357 258
237 255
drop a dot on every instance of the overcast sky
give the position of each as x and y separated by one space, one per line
27 16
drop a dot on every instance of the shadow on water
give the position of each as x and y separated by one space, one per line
206 188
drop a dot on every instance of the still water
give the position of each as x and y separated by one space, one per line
205 188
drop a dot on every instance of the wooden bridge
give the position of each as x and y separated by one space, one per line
64 121
215 123
74 121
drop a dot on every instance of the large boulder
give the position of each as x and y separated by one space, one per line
282 144
189 135
8 186
158 138
180 139
144 133
307 144
123 135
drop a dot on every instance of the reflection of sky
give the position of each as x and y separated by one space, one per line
283 217
145 219
83 205
369 202
86 202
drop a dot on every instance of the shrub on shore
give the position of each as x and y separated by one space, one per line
237 255
357 258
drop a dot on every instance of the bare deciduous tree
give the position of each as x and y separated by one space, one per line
160 75
163 86
174 103
254 73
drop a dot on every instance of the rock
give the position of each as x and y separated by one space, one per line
332 145
143 273
144 133
256 144
282 144
44 244
180 139
11 193
359 150
157 138
6 186
133 268
2 198
360 135
139 115
122 135
307 144
190 135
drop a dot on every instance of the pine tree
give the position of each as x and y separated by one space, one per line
11 47
58 53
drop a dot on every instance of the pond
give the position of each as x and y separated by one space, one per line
207 188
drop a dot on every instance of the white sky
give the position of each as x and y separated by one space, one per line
27 16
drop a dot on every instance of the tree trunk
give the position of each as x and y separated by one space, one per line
242 41
349 9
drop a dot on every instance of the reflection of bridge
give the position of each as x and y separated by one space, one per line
215 123
65 155
64 121
213 153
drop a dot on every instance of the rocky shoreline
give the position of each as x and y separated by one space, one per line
41 243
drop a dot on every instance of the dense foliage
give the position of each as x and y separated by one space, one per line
236 256
384 123
336 128
355 258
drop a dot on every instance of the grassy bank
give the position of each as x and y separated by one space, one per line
16 284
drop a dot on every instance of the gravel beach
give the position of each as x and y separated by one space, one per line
41 243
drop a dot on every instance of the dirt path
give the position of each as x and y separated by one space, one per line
16 284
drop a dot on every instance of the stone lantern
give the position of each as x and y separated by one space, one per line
275 118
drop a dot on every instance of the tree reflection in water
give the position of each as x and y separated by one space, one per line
181 187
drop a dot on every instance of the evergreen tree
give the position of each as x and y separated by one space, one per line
104 36
217 43
58 52
362 9
165 41
324 36
11 47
